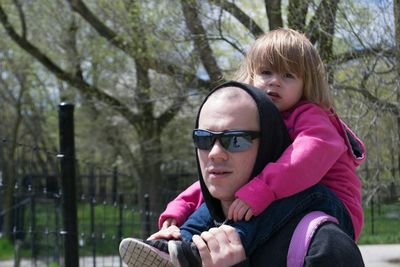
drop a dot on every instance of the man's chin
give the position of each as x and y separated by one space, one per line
220 194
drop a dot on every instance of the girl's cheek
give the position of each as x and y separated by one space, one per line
259 81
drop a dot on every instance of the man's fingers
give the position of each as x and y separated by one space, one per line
231 234
211 241
220 247
220 236
203 250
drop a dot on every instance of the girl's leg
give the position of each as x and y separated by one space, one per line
198 222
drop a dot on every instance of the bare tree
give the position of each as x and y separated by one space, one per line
175 52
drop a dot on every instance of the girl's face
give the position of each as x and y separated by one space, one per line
284 89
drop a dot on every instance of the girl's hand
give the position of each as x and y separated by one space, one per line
239 210
168 222
220 247
171 232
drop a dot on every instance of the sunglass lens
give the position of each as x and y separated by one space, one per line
236 143
232 141
203 139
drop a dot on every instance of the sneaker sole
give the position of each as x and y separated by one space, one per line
135 253
174 255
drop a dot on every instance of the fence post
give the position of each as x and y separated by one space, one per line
147 215
92 185
121 220
67 168
34 241
372 216
114 184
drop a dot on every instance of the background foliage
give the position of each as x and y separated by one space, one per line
136 71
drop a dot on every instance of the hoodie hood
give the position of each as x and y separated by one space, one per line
274 139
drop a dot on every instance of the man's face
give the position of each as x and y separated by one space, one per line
225 172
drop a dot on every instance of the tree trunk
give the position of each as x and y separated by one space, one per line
150 177
396 11
297 14
274 14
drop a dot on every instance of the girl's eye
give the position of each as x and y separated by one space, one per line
289 75
266 72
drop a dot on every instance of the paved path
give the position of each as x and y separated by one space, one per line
381 255
373 255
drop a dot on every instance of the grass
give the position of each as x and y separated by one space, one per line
105 236
6 249
104 240
385 229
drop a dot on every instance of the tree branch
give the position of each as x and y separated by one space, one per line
200 40
242 17
356 54
21 17
162 67
170 112
382 105
72 50
75 81
79 7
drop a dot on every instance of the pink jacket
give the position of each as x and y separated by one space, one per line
320 152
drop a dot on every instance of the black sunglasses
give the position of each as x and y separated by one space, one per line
231 140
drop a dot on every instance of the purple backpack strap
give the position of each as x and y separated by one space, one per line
302 236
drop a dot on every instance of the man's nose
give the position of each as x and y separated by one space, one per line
218 152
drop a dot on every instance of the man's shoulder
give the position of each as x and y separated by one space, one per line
332 247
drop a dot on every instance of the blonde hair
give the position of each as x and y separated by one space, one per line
286 50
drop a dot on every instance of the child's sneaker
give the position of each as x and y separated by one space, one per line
184 254
160 244
137 253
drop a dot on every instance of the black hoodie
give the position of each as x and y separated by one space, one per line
274 139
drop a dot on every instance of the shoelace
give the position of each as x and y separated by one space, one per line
218 224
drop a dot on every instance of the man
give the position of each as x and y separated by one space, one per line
238 132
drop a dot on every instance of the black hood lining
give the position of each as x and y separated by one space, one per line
274 139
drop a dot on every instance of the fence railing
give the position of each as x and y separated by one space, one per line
66 218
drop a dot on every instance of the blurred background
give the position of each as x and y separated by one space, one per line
77 177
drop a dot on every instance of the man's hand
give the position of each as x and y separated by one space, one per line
220 247
239 210
171 232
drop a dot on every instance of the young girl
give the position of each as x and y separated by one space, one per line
285 65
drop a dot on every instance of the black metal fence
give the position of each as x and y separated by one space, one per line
65 218
68 213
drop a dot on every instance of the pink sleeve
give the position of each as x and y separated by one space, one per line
183 205
316 147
